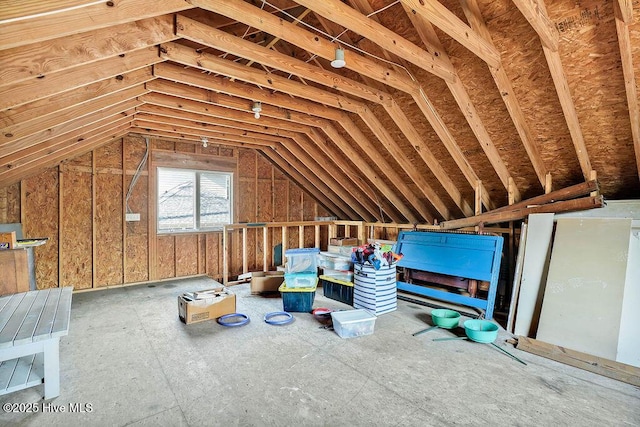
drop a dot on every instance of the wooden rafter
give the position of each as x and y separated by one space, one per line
81 75
442 18
535 12
65 22
624 16
503 83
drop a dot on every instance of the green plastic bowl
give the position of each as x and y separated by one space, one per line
445 318
481 330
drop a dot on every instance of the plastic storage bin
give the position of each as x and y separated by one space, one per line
334 261
344 275
301 280
353 323
297 299
375 290
338 290
303 260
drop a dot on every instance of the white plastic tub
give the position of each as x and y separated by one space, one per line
353 323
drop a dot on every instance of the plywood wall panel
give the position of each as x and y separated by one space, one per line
264 200
10 204
280 200
186 249
137 233
108 229
252 249
246 200
264 167
185 147
84 160
110 155
295 203
163 145
214 255
166 257
41 220
76 238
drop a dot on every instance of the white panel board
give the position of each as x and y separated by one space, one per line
534 272
629 337
583 298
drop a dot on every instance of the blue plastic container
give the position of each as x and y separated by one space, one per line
302 260
297 299
338 290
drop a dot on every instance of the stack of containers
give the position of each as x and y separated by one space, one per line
337 277
300 279
375 290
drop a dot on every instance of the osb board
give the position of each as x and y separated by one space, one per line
163 145
258 250
246 200
83 160
292 239
10 204
76 236
108 229
185 147
309 208
134 147
589 38
247 163
264 195
213 251
264 167
110 155
295 203
524 62
166 257
41 220
137 232
186 248
252 249
227 152
281 199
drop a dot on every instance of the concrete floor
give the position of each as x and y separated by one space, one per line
128 356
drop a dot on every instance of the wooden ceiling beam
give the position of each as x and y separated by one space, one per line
196 140
221 84
217 39
22 130
448 22
38 60
503 83
211 63
25 8
536 15
83 75
303 182
63 153
115 110
351 168
623 18
338 12
65 22
59 103
43 149
203 34
427 34
311 42
308 154
141 123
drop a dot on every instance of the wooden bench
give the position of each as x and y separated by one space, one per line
31 324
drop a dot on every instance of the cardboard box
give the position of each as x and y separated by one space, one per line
8 240
194 307
343 241
266 281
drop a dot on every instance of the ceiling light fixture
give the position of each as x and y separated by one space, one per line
339 62
205 141
257 108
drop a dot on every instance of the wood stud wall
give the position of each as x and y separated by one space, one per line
80 207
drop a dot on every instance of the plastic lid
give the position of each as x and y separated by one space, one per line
300 251
283 288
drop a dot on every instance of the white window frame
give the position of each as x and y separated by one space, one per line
196 208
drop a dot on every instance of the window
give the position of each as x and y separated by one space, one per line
191 200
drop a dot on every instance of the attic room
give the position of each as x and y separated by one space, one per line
252 212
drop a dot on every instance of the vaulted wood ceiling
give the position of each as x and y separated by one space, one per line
444 108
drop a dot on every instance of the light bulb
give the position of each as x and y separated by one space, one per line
339 62
256 114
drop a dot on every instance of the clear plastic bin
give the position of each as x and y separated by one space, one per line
353 323
302 260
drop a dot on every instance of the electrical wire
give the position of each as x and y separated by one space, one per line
136 176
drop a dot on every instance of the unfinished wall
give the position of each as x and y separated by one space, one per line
80 207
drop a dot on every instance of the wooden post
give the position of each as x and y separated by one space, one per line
301 236
548 183
244 250
265 248
317 236
225 257
593 176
